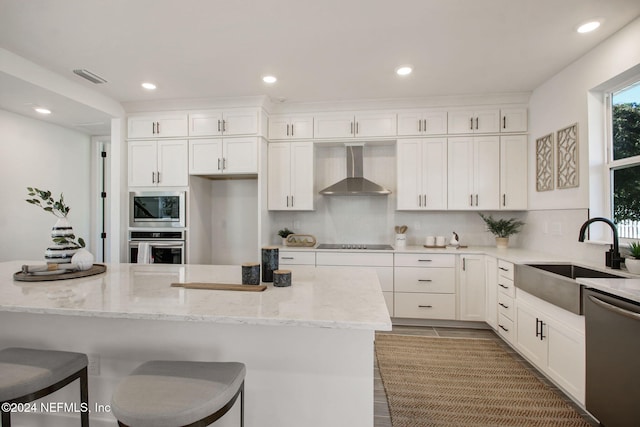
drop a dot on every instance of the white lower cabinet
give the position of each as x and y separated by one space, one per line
506 294
553 340
491 281
425 286
381 262
471 296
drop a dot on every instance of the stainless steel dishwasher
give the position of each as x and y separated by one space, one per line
613 359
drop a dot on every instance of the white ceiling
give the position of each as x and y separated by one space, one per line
320 50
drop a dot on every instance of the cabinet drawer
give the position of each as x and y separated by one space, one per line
505 269
425 260
297 258
506 328
425 306
505 305
506 286
355 259
432 280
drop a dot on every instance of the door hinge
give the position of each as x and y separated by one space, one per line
103 194
103 235
103 154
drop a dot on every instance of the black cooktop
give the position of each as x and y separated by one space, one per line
356 246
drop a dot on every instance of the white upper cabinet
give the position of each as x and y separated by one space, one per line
157 126
359 125
473 173
474 121
422 174
290 127
513 172
158 163
224 122
422 122
290 176
513 119
223 156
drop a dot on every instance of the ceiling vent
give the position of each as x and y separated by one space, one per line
93 78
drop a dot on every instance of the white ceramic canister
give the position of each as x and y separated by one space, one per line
401 240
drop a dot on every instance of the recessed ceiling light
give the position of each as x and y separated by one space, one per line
404 70
148 86
42 110
269 79
587 27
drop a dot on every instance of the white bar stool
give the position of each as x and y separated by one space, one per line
178 393
28 374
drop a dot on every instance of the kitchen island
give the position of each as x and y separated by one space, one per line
308 348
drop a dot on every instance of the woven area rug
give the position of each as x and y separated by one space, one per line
464 382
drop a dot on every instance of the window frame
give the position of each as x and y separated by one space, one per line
612 165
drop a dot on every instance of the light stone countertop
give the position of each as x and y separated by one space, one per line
323 297
625 288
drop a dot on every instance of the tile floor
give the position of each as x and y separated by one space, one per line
381 408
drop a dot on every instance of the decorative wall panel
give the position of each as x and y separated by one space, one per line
568 166
544 163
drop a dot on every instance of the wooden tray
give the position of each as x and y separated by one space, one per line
26 277
220 286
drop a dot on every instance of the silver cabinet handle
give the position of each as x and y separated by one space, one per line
287 201
218 163
287 257
153 177
425 260
153 127
158 175
425 280
419 125
287 130
470 199
158 128
224 125
425 306
504 122
224 160
419 200
615 309
476 123
476 200
351 128
425 201
219 130
357 128
425 125
291 129
504 199
464 264
471 120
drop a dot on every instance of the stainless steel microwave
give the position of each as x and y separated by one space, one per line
157 209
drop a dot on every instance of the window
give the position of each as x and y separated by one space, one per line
624 160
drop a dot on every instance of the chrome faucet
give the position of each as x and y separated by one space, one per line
612 256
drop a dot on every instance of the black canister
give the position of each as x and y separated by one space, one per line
250 273
270 255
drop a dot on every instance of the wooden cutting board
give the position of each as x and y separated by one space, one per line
220 286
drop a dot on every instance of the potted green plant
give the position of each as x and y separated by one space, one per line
633 263
502 228
284 233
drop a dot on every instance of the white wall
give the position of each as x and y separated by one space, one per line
562 100
50 157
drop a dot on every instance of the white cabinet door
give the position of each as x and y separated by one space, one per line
530 339
279 176
206 123
143 162
474 121
290 127
513 120
460 173
205 156
473 173
240 122
422 122
422 174
375 125
513 172
158 163
228 122
290 176
472 287
566 358
160 126
334 126
409 174
240 155
302 176
173 161
491 280
486 172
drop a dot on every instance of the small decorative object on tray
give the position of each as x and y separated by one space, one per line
301 240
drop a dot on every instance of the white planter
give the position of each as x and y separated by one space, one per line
633 265
502 242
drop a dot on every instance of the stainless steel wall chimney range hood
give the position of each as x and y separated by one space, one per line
355 184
